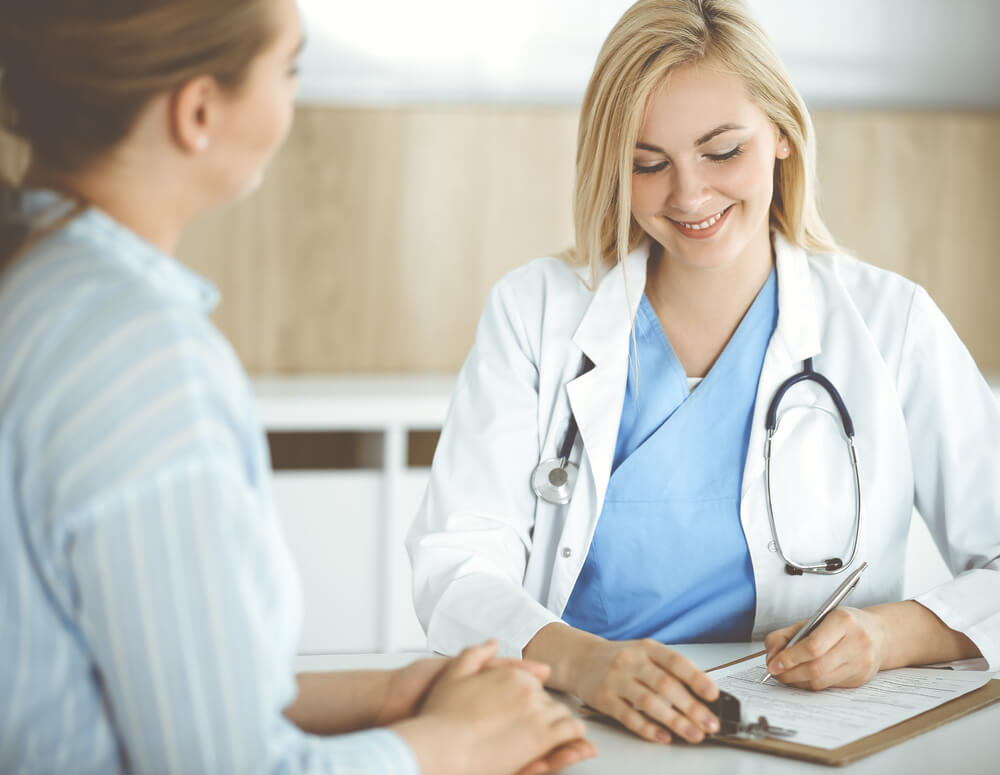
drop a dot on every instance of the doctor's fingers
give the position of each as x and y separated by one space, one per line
674 709
777 640
673 692
682 668
852 662
832 631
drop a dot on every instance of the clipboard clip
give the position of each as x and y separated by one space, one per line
731 723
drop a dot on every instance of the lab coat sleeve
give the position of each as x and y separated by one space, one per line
953 422
472 536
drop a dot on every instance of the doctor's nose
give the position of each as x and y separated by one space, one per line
688 193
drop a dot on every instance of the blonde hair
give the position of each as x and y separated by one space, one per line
652 38
75 75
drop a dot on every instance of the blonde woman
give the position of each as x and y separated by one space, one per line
610 478
149 610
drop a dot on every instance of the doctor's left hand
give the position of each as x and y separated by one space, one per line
847 649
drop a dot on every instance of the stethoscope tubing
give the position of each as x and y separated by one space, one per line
553 479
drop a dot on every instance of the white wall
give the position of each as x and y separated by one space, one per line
936 53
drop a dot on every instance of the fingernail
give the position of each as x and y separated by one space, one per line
712 725
778 667
664 737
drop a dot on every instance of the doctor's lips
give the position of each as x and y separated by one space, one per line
704 228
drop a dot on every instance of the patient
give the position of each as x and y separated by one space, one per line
149 609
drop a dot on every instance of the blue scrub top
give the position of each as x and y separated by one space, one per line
669 559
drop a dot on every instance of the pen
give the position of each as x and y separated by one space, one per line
832 602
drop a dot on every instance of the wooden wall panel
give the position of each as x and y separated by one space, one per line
377 233
918 193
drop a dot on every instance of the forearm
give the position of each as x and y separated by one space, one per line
916 636
564 649
338 702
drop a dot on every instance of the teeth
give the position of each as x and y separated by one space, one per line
704 224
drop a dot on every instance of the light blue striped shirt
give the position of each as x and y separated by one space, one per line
149 608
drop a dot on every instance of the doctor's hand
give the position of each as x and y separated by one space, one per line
493 717
846 650
647 687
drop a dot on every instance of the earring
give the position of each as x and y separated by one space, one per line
201 144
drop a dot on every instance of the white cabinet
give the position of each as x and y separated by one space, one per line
346 528
351 559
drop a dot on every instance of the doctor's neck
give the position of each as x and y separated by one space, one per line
710 295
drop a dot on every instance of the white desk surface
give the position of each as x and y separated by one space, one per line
967 746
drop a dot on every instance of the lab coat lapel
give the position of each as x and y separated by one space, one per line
604 335
795 338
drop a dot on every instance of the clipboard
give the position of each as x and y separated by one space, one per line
866 746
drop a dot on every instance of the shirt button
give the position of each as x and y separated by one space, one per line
771 547
567 552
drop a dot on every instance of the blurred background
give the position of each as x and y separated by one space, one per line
435 145
434 151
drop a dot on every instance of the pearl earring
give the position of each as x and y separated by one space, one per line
201 143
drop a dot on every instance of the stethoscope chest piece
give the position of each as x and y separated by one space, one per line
553 480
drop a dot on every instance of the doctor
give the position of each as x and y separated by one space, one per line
702 279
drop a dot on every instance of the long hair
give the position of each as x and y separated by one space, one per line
76 74
652 38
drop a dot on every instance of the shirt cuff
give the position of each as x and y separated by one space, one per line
376 751
967 604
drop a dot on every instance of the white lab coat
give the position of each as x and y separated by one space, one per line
491 560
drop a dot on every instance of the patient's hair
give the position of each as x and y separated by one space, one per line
652 38
76 74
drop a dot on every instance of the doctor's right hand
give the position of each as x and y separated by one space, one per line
646 686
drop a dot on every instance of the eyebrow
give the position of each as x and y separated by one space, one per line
700 141
299 48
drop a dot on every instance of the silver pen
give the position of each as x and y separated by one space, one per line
831 602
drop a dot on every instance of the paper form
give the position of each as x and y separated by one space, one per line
834 717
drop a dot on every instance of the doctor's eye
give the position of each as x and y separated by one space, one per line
738 150
646 169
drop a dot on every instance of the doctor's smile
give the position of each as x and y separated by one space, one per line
702 229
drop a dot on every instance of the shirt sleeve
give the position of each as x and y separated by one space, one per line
953 420
182 602
178 577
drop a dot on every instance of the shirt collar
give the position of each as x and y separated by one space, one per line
798 326
161 271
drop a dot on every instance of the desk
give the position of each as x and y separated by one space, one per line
968 746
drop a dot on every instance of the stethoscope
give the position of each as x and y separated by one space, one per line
553 479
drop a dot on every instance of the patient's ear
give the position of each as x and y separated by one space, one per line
194 112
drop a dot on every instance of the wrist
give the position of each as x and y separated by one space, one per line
566 650
382 711
916 636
